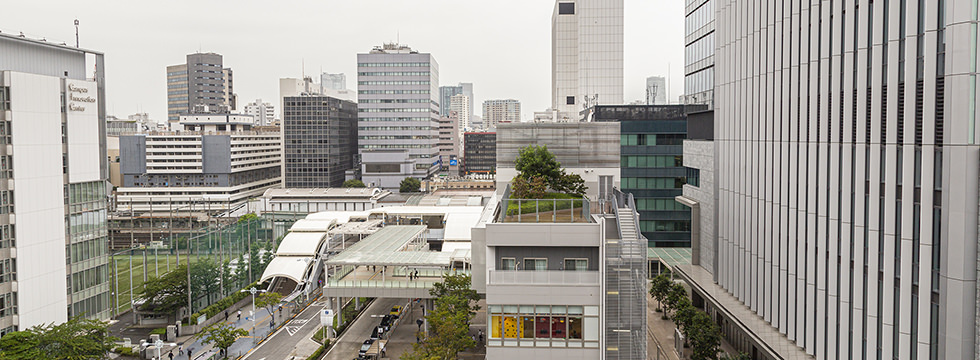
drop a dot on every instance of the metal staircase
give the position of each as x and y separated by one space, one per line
625 278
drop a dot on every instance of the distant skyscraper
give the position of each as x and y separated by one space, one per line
319 141
264 113
468 91
699 48
446 94
54 263
334 81
656 90
200 82
496 111
458 104
397 95
586 55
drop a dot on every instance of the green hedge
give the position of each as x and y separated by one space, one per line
159 331
319 351
124 351
551 201
222 304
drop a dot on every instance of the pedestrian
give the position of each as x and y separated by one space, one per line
474 338
481 336
416 274
280 308
180 350
171 355
272 324
189 352
226 315
239 315
419 322
417 337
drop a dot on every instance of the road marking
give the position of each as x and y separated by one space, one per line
292 330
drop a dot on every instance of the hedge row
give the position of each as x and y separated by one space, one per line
222 304
319 351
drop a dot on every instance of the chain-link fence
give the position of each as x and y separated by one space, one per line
220 258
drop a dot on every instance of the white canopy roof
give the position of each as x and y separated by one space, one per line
342 217
291 267
300 243
313 225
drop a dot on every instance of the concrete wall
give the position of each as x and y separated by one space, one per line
700 155
216 154
132 155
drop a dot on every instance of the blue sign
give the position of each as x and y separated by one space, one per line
452 162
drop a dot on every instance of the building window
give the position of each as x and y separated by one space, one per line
5 98
508 264
570 100
694 177
543 326
567 8
576 264
535 264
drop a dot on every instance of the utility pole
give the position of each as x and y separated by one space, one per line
76 33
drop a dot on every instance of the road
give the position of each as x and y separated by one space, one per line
350 342
282 343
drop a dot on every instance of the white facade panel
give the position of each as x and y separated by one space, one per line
83 131
40 202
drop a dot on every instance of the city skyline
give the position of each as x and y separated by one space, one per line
138 58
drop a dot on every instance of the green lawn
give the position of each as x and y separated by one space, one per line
153 265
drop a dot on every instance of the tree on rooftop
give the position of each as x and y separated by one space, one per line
409 185
353 183
536 162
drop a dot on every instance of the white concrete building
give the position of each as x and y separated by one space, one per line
586 55
843 196
497 111
53 231
263 112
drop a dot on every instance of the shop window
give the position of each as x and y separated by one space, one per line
575 327
558 330
542 327
527 327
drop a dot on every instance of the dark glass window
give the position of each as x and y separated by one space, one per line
566 8
570 100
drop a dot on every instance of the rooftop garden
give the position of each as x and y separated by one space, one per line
543 187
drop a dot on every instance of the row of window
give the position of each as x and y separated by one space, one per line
654 183
665 225
401 82
88 249
4 98
89 278
394 73
405 146
700 17
394 110
395 119
393 101
659 204
541 264
408 64
8 270
393 92
543 325
652 161
383 128
652 139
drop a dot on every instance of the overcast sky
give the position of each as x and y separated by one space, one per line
503 47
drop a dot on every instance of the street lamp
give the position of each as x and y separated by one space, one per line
253 291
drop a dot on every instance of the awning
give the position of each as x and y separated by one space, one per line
300 244
310 225
290 267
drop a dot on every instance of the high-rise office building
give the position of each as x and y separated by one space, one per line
200 85
586 55
446 94
497 111
652 168
656 90
319 141
699 51
334 81
54 258
480 156
263 112
843 205
398 107
467 89
450 143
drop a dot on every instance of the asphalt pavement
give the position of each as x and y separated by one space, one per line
347 346
284 341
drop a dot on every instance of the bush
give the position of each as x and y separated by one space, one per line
550 202
353 183
159 331
319 351
222 304
124 351
409 185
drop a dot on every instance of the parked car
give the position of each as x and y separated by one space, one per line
365 346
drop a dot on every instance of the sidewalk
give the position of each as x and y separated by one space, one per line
241 346
661 335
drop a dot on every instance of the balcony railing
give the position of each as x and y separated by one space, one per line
545 210
546 277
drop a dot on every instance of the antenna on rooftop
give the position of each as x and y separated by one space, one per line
76 33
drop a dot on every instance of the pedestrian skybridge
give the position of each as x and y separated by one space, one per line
385 264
